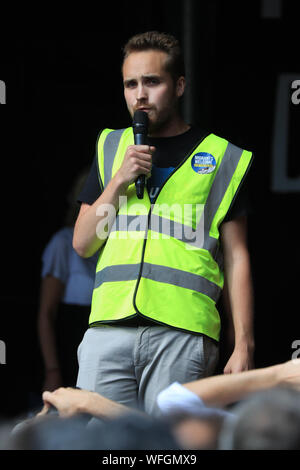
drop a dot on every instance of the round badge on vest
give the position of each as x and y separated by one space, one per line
203 163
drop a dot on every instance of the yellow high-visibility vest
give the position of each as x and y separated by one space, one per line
162 260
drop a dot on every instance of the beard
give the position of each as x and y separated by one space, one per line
160 120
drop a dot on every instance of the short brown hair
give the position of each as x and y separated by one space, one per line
162 42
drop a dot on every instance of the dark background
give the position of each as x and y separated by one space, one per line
62 73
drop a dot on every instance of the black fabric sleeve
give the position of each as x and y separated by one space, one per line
92 188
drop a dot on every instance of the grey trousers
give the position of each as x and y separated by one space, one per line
131 365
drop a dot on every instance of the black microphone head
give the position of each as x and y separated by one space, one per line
140 122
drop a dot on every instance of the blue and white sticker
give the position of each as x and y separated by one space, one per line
203 163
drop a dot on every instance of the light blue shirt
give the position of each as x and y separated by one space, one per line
61 261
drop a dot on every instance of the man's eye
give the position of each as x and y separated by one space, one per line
153 81
130 84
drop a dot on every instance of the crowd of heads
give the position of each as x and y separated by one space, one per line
266 420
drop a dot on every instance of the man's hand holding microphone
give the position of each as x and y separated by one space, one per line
137 162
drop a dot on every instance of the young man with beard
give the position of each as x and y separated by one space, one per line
154 319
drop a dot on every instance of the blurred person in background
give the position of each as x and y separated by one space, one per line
127 432
65 298
266 420
196 411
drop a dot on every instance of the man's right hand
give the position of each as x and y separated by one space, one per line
86 239
137 161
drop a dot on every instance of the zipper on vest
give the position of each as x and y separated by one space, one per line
149 215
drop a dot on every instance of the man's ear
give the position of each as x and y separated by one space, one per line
180 86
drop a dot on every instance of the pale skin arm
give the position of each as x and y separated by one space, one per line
87 237
219 391
222 390
52 290
70 401
237 271
227 312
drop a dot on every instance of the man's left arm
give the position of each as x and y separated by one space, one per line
237 271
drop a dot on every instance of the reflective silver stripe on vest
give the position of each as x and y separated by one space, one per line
119 272
110 148
176 277
132 223
180 278
217 191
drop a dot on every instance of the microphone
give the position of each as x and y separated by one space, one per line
140 130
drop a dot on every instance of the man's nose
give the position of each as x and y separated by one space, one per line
141 93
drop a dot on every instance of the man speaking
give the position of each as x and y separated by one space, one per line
153 318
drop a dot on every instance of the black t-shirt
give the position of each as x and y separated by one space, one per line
170 151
